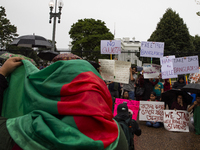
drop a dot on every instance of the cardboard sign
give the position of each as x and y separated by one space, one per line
110 47
194 77
116 71
132 105
152 49
151 111
167 68
186 65
176 120
151 70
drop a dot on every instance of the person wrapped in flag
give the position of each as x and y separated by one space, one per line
64 106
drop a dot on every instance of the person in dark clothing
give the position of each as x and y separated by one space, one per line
139 84
179 104
180 83
123 115
166 85
148 85
114 89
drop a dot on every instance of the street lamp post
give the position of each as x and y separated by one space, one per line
54 16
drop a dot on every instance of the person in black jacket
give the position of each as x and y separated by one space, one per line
123 115
180 83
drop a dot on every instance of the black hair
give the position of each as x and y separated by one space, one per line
134 67
123 94
198 95
154 93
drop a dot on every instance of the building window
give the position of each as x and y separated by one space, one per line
129 52
136 62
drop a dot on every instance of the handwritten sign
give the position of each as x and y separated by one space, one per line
107 69
176 120
151 111
116 71
152 49
167 67
122 71
151 70
186 65
194 77
132 105
110 47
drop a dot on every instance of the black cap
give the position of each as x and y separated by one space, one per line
122 108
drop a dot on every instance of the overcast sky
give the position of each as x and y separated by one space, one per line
130 18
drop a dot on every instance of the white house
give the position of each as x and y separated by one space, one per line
129 45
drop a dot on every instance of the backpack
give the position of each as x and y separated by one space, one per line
127 128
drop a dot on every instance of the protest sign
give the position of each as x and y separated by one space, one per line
176 120
194 77
152 49
107 69
167 67
110 47
151 70
186 65
151 111
116 71
132 105
122 71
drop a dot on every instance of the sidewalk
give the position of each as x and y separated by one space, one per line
161 139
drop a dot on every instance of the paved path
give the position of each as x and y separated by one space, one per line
161 139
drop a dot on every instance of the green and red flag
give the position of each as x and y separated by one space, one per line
64 106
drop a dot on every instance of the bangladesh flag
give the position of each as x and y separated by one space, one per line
64 106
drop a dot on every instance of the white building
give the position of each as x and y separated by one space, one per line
129 45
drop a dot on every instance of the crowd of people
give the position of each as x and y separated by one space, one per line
141 89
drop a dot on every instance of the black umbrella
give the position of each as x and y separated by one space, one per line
192 88
170 96
31 41
47 55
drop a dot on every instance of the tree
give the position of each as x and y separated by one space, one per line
7 31
86 36
174 33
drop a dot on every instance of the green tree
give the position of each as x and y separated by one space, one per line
174 33
196 43
86 36
7 31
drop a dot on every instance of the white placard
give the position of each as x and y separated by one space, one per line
194 77
107 69
186 65
110 47
122 71
151 111
176 120
151 70
167 69
116 71
152 49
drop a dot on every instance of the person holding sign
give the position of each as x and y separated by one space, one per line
196 113
153 123
130 87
